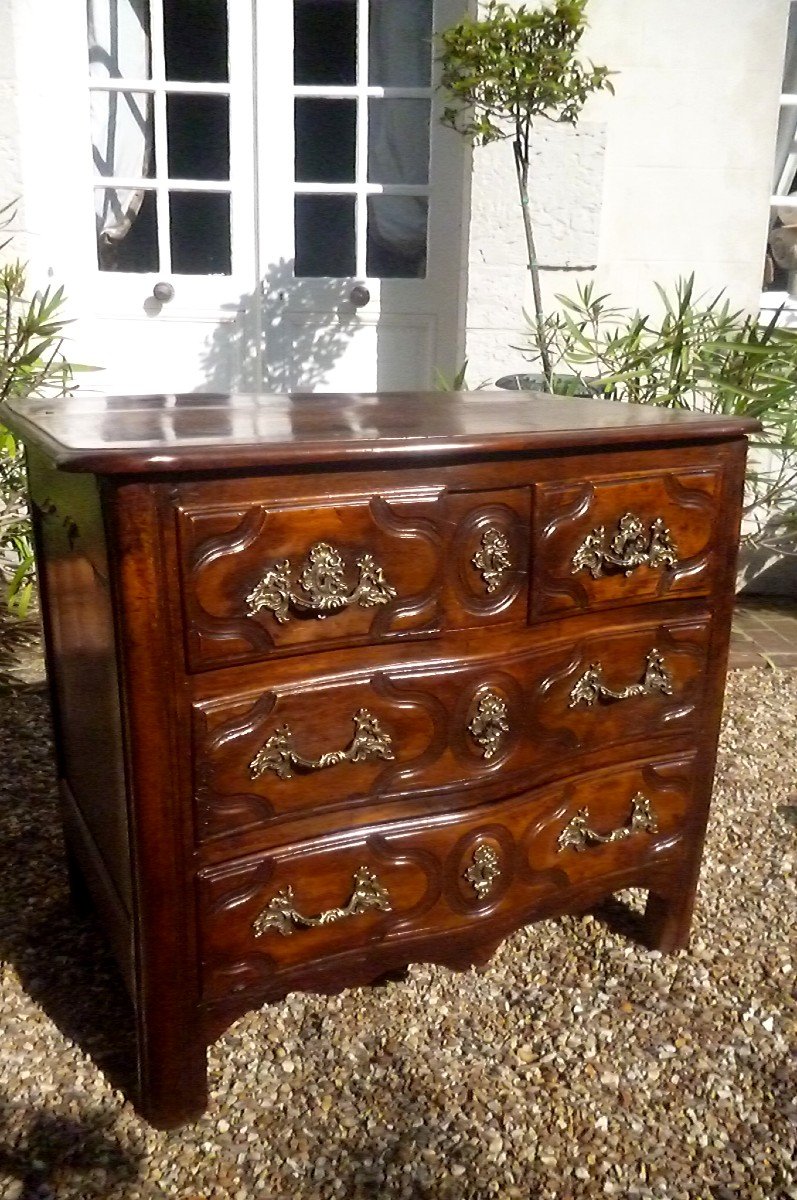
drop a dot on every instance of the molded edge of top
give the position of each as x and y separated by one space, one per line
162 433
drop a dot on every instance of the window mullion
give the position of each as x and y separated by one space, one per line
160 130
361 170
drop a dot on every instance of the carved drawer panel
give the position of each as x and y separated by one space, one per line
261 578
435 728
265 917
617 541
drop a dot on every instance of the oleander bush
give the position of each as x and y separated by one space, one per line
700 354
31 364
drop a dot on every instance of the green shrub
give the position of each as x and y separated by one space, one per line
31 364
697 354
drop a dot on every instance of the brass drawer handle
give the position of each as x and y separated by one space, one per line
577 834
278 754
630 547
493 560
591 688
323 582
490 724
483 871
281 914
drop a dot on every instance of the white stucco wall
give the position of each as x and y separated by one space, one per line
10 159
685 179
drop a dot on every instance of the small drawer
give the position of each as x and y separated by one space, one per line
265 918
614 541
261 578
433 730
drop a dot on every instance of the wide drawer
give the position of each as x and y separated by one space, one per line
261 577
617 540
435 728
264 917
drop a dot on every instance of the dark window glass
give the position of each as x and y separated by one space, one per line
200 233
325 140
324 234
195 40
396 237
398 141
400 50
199 137
127 230
324 41
121 126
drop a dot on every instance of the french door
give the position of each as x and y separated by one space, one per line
276 204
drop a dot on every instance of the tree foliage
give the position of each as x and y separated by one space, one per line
514 65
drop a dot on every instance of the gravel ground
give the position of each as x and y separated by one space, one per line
577 1065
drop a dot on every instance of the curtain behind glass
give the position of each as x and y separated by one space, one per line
121 122
400 51
785 157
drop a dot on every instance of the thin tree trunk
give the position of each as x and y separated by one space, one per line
522 171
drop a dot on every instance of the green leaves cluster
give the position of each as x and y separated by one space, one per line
513 65
31 363
698 354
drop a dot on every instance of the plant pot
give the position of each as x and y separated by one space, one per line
563 385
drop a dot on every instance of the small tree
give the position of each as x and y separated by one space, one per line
504 71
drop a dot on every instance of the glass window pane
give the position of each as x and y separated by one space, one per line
127 230
400 43
121 134
398 141
195 40
325 41
396 241
200 233
119 41
324 236
199 137
325 140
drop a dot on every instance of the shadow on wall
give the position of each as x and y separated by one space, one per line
276 348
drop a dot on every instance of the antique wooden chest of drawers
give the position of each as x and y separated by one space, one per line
346 682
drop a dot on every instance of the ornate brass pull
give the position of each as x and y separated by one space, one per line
591 688
278 754
280 913
630 547
493 560
577 834
483 870
490 723
322 581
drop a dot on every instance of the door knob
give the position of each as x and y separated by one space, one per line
359 295
164 292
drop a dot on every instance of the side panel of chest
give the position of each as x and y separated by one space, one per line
77 609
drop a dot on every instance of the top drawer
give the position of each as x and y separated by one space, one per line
262 576
621 539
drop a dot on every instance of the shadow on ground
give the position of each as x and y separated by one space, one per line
59 953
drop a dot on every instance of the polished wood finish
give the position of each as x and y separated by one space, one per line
270 786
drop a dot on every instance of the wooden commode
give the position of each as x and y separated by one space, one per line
344 682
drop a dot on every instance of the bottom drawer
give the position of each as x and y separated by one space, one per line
272 915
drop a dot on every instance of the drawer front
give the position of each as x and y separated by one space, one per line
267 916
261 578
615 541
434 729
